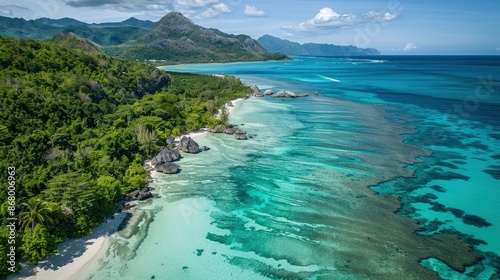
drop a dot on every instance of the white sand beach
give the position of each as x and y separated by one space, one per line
75 255
231 108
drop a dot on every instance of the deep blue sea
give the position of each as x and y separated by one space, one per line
391 172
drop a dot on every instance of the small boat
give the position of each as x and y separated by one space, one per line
316 93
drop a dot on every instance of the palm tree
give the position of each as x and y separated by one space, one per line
34 211
146 138
224 115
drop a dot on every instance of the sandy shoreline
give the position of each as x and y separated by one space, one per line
76 257
198 133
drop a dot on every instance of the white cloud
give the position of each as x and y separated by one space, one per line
252 11
215 11
6 7
189 4
288 34
156 7
6 12
188 7
12 4
90 3
327 20
409 47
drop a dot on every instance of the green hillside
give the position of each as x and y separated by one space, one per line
173 39
176 39
76 126
70 40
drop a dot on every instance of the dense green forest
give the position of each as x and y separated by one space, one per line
77 127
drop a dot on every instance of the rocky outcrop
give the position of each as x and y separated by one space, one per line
171 141
188 145
229 130
279 94
254 88
158 81
166 155
241 136
167 168
142 194
218 129
287 94
232 130
98 93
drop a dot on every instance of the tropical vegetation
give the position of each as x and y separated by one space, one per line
77 126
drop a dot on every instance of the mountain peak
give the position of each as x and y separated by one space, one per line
138 23
174 25
177 38
175 18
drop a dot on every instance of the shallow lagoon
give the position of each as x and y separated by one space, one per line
295 202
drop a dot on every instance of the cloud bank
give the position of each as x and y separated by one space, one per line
200 8
215 11
327 20
410 47
252 11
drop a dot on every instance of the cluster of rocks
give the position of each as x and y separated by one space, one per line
280 94
229 129
285 94
163 161
130 201
142 194
188 145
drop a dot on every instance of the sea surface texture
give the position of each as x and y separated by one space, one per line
391 172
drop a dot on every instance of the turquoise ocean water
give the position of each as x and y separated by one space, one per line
392 172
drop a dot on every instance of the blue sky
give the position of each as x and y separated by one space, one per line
392 26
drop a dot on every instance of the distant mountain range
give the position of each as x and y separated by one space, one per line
104 34
274 44
63 22
174 39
